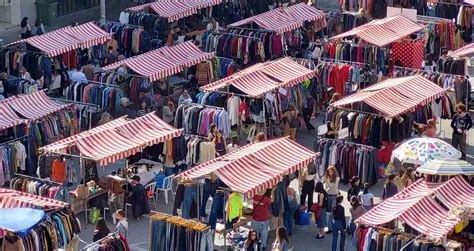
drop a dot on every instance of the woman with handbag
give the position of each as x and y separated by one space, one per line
289 215
322 204
293 122
261 215
331 184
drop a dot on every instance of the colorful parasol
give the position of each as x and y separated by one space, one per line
446 167
422 150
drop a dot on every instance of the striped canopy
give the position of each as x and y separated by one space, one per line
164 61
446 167
34 106
396 96
424 149
283 19
415 206
66 39
15 199
264 77
255 167
466 51
117 139
381 32
8 118
175 9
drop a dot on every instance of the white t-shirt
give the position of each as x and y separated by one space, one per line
365 198
231 148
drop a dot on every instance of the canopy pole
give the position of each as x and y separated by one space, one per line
264 120
410 242
102 10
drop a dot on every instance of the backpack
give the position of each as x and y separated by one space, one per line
294 121
94 215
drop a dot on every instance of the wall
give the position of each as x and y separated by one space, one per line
23 8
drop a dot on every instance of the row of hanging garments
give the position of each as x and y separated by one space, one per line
461 85
15 85
12 159
149 22
106 97
58 230
214 69
348 51
41 188
349 159
441 34
199 234
131 86
247 46
114 241
339 21
35 62
200 150
452 66
133 40
196 119
374 8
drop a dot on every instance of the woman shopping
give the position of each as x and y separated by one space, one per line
322 201
331 185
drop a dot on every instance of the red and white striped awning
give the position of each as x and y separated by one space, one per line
264 162
63 40
173 9
63 145
395 96
466 51
8 118
381 32
117 139
163 62
264 77
284 19
15 199
35 106
456 192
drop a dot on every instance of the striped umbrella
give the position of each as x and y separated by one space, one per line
422 150
446 167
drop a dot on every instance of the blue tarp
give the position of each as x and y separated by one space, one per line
20 220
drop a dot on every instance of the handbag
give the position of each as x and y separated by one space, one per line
316 209
304 219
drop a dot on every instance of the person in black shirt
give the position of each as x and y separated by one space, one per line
354 187
101 230
338 224
461 123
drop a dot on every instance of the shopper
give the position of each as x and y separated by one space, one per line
25 28
185 98
260 137
354 187
124 109
24 74
309 111
338 224
331 185
335 97
144 109
461 123
138 198
261 215
76 75
292 122
234 145
408 177
307 186
168 111
110 56
38 28
323 203
252 243
389 188
366 197
220 144
281 240
428 130
289 215
212 132
122 223
356 210
101 230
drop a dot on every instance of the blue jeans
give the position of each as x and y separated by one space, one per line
217 209
159 235
338 227
189 197
208 191
261 227
352 226
331 201
289 218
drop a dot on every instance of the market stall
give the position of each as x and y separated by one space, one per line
266 89
279 31
65 47
422 207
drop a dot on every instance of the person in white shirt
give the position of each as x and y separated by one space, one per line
77 75
234 145
331 184
24 74
366 197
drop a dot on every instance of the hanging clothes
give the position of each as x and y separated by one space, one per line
196 119
134 40
13 158
41 188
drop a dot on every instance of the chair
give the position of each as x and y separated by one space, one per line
126 206
151 192
166 187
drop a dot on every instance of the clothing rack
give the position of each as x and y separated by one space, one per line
228 59
421 70
427 19
195 136
101 83
357 111
341 61
131 25
38 179
233 34
75 102
210 106
236 94
250 29
114 234
14 140
440 2
347 142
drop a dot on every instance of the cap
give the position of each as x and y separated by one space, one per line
136 177
124 100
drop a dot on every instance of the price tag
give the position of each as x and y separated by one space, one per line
322 129
343 133
282 91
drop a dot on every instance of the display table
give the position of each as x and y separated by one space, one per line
147 176
220 234
80 204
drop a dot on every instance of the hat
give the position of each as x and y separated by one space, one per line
124 100
136 177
